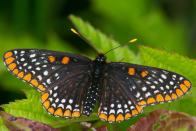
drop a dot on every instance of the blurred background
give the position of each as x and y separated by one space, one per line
165 24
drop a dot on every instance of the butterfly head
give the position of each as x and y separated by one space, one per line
100 58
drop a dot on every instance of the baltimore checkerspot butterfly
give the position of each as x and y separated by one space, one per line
71 85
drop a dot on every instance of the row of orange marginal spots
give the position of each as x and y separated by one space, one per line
65 59
159 98
59 111
12 66
184 87
120 117
131 71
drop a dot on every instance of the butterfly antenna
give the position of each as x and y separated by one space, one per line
130 41
78 34
74 31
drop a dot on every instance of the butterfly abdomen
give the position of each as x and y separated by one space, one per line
94 90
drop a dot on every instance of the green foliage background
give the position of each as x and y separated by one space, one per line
165 31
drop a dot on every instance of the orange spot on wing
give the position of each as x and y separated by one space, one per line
67 113
111 118
15 71
144 73
179 92
51 110
44 97
187 83
41 88
183 88
9 60
51 59
76 114
127 116
34 82
134 112
139 108
173 96
151 100
8 54
103 116
159 98
46 104
65 60
12 66
167 98
131 71
58 112
142 103
21 74
119 118
27 77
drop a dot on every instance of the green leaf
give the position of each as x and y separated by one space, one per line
2 125
31 108
101 42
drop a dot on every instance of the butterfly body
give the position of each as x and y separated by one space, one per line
71 84
93 93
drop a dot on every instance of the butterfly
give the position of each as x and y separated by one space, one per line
71 85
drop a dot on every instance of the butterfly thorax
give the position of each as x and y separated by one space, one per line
94 91
98 66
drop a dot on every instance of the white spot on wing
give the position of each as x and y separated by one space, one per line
69 107
138 94
48 81
45 73
148 94
144 88
32 55
38 68
39 77
119 105
163 76
56 87
61 105
119 111
63 100
55 94
57 100
22 59
70 101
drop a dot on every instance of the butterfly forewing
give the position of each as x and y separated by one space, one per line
62 78
128 88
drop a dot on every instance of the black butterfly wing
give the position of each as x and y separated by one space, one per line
62 78
127 88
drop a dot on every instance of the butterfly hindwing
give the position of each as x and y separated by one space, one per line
116 104
62 78
128 88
